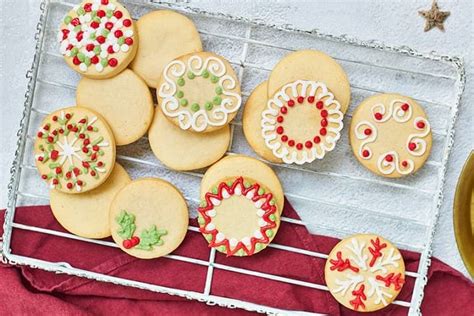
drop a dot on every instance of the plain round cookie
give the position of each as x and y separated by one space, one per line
247 167
390 135
98 38
163 36
239 216
87 215
199 92
364 272
148 218
124 100
184 150
74 150
251 122
311 65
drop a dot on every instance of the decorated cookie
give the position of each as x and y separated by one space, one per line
315 66
301 122
236 166
365 272
390 135
148 218
124 101
199 92
163 36
87 214
251 122
97 38
74 150
238 216
183 150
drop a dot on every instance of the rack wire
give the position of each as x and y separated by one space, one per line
252 37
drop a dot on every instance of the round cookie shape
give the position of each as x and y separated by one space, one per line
199 92
242 166
87 215
97 38
251 122
163 36
148 218
315 66
238 217
302 122
364 272
183 150
124 100
74 150
390 135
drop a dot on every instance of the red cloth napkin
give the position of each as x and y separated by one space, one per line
27 290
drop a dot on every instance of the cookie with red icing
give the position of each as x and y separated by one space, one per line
97 38
365 272
74 150
390 135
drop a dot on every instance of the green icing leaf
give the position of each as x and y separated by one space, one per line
261 191
222 248
240 252
214 190
205 74
67 19
81 56
219 90
180 94
183 102
272 202
208 106
195 107
214 79
151 237
181 81
127 224
121 40
247 184
110 13
269 233
208 237
87 61
217 100
105 32
272 217
81 11
74 52
104 62
201 220
191 75
97 50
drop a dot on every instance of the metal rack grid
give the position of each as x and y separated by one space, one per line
247 40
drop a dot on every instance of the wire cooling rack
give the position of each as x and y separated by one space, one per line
335 196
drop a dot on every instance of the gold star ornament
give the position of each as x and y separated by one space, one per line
434 17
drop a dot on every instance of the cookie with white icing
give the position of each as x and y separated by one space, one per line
97 38
183 150
74 150
87 214
163 36
199 92
124 101
148 218
390 135
365 272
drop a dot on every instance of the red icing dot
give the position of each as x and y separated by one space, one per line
76 171
324 113
61 131
284 138
300 99
55 132
366 153
100 164
109 25
65 33
55 181
389 158
40 158
95 148
50 139
378 116
367 131
46 127
59 170
299 146
412 146
404 163
420 124
80 35
284 110
113 62
110 49
68 174
311 99
291 103
79 182
44 177
280 119
69 185
69 126
324 122
308 144
90 128
118 14
40 134
85 150
86 142
75 22
280 130
127 22
100 13
322 131
85 164
54 154
55 118
127 244
76 61
93 156
105 2
95 24
100 39
118 34
69 47
135 240
94 60
405 107
317 139
89 47
88 7
319 104
68 116
291 143
93 173
129 41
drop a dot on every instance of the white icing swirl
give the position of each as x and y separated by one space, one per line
394 110
367 139
416 138
388 167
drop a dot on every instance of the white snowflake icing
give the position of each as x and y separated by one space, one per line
379 290
359 258
390 260
350 283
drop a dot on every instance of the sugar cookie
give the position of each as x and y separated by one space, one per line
199 92
390 135
124 101
163 36
315 66
148 218
242 166
365 272
87 214
184 150
251 122
74 150
301 122
97 38
238 216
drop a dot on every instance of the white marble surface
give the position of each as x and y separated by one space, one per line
392 21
